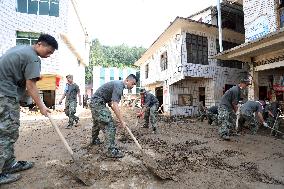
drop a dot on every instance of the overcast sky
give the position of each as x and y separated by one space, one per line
134 22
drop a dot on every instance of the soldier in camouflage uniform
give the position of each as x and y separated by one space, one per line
19 71
71 91
272 110
212 115
110 93
247 111
150 108
228 107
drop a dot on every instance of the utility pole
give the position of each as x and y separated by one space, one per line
220 24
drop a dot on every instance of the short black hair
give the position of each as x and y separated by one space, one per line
48 39
132 76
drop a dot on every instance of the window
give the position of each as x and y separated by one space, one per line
197 49
281 13
39 7
228 63
120 77
102 76
185 99
146 71
26 38
164 61
111 75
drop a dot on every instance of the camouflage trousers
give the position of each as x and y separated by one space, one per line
250 120
212 118
70 110
102 120
151 116
227 121
9 129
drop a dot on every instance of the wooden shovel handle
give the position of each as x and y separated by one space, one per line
133 137
60 135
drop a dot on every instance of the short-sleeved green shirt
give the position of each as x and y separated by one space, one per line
71 92
231 97
17 65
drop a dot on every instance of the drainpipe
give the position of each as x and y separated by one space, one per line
220 24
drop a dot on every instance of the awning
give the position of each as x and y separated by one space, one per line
48 82
268 46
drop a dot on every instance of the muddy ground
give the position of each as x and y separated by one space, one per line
188 153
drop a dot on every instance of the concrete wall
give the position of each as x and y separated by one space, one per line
260 18
63 61
205 17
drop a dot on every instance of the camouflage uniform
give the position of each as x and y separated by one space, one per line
17 65
9 129
226 115
247 111
212 115
71 103
102 118
227 119
152 104
273 108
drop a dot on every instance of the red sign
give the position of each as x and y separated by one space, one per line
278 87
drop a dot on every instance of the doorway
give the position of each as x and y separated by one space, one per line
262 92
159 94
202 95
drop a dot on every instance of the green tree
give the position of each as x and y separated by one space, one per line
112 56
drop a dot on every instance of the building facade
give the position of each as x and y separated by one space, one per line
179 69
102 75
22 21
264 48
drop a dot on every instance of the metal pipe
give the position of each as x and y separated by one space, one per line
220 25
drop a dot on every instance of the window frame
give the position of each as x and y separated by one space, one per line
197 49
164 61
35 6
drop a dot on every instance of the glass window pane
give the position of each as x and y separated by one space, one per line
22 42
43 8
22 6
54 8
32 7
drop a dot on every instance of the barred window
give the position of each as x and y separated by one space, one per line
39 7
26 38
197 49
164 61
146 71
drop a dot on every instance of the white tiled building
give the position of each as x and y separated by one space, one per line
102 75
21 22
177 67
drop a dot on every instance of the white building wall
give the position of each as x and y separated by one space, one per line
205 17
97 75
186 78
260 18
63 61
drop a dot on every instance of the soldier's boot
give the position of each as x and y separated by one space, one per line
96 141
6 178
69 126
77 119
114 153
19 166
155 130
145 126
225 137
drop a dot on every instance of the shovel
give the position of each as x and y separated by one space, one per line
77 167
147 161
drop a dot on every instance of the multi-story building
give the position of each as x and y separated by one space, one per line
263 49
178 69
22 21
102 75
